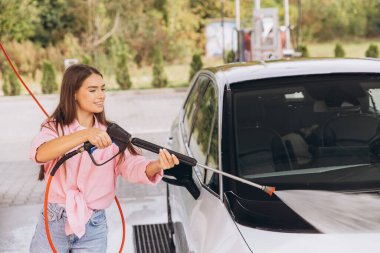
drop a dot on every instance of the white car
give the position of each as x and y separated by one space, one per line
307 124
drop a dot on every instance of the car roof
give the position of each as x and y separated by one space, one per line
239 72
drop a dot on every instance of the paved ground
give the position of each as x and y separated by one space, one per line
146 114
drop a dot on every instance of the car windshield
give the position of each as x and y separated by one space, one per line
310 132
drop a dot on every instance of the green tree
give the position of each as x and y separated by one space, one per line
162 6
196 65
58 17
159 77
372 51
205 10
122 72
14 25
339 19
372 10
48 82
11 85
339 51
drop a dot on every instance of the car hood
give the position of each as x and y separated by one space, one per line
262 241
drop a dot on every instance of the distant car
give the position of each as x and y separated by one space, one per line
307 124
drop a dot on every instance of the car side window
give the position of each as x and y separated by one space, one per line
211 179
192 102
204 136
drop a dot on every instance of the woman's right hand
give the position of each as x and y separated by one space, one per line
99 138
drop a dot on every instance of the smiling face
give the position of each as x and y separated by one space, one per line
91 95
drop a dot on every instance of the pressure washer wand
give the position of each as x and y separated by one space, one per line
268 189
193 162
121 138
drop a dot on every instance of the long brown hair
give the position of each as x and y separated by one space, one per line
65 113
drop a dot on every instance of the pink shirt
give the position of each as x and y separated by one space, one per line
81 186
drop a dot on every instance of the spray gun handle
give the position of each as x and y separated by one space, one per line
156 148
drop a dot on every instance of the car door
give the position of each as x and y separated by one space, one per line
202 225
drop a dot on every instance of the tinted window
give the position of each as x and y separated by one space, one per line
192 103
204 137
309 133
211 179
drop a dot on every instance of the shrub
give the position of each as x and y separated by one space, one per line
339 51
372 51
159 77
122 72
231 56
304 51
11 85
196 65
48 82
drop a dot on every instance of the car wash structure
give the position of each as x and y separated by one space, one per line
266 39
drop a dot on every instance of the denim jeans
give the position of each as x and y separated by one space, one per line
94 240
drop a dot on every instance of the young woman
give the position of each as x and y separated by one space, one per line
80 191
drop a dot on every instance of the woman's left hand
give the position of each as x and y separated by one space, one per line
166 160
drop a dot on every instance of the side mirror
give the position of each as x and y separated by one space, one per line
182 175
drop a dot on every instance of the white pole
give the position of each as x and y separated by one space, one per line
257 4
237 20
222 14
237 13
256 41
287 25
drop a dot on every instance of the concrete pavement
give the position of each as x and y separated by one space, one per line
146 114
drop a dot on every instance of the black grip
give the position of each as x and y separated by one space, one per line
155 149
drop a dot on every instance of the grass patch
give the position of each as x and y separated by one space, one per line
353 49
178 75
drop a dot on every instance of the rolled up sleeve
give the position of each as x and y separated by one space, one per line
133 169
46 134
